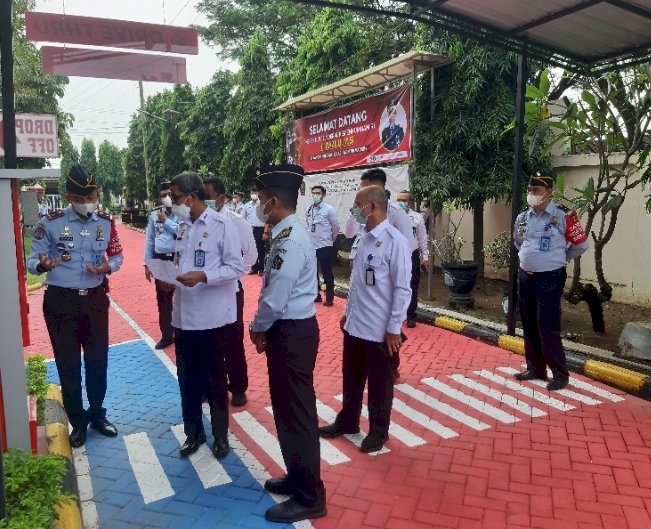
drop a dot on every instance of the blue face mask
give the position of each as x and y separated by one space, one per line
357 214
404 205
317 199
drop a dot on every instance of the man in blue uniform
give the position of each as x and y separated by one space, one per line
547 237
78 248
285 327
392 134
258 229
377 304
323 227
160 242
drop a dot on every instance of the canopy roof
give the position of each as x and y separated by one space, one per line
376 77
581 35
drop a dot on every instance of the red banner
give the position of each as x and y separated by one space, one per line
70 29
84 62
371 131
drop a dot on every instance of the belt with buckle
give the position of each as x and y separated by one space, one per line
164 256
74 291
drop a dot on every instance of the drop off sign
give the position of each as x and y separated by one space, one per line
36 136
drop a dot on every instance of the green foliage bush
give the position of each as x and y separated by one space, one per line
37 384
33 487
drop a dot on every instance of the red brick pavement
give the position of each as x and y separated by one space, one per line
586 468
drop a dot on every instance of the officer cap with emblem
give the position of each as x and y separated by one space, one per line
238 193
285 176
79 182
542 178
163 186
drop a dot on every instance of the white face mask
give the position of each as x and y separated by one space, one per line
535 200
84 209
166 201
259 212
211 205
182 212
254 197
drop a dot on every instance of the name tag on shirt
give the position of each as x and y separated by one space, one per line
370 277
199 258
544 243
313 228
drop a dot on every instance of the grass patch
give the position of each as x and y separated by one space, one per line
27 243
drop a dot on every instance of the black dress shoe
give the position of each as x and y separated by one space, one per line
77 437
557 383
335 430
164 343
529 375
220 448
239 399
278 486
318 299
192 444
373 443
411 322
290 511
104 427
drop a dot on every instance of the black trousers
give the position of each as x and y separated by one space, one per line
540 310
238 379
164 302
362 360
291 355
75 322
200 368
415 280
259 244
324 261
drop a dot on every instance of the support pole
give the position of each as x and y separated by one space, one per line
430 219
517 184
144 142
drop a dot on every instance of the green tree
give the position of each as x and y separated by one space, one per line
203 130
110 175
69 157
87 156
133 161
249 116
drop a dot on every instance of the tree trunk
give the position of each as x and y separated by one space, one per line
478 235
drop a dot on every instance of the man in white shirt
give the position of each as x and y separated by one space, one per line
238 380
377 305
209 258
323 227
420 256
258 228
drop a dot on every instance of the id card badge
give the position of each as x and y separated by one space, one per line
97 259
199 258
544 243
313 228
370 277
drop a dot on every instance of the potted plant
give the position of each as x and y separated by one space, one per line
458 275
498 252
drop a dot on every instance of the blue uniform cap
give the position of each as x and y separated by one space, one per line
541 178
79 182
285 176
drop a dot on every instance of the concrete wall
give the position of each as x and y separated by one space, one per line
627 257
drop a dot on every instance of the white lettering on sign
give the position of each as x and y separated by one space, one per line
36 136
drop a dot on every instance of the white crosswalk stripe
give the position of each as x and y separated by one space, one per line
423 420
526 391
505 399
149 473
329 452
261 436
468 400
400 433
329 415
564 392
442 407
210 471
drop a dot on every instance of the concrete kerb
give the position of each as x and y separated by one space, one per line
592 362
59 444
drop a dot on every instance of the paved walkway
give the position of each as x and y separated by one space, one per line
469 447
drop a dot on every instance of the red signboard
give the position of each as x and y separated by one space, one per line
69 29
113 64
371 131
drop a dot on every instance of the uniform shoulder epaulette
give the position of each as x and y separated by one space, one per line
563 208
55 214
285 233
105 215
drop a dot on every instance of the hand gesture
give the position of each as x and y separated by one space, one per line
103 268
46 263
393 343
190 279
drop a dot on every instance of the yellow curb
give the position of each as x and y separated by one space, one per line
619 376
69 516
35 286
57 439
54 393
511 343
449 323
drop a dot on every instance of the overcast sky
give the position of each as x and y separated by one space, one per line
103 107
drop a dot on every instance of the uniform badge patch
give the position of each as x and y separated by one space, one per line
285 233
277 262
39 232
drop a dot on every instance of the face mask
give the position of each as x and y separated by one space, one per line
535 200
404 205
317 199
166 201
211 204
259 212
357 213
84 209
254 197
182 212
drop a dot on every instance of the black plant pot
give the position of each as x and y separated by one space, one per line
460 280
